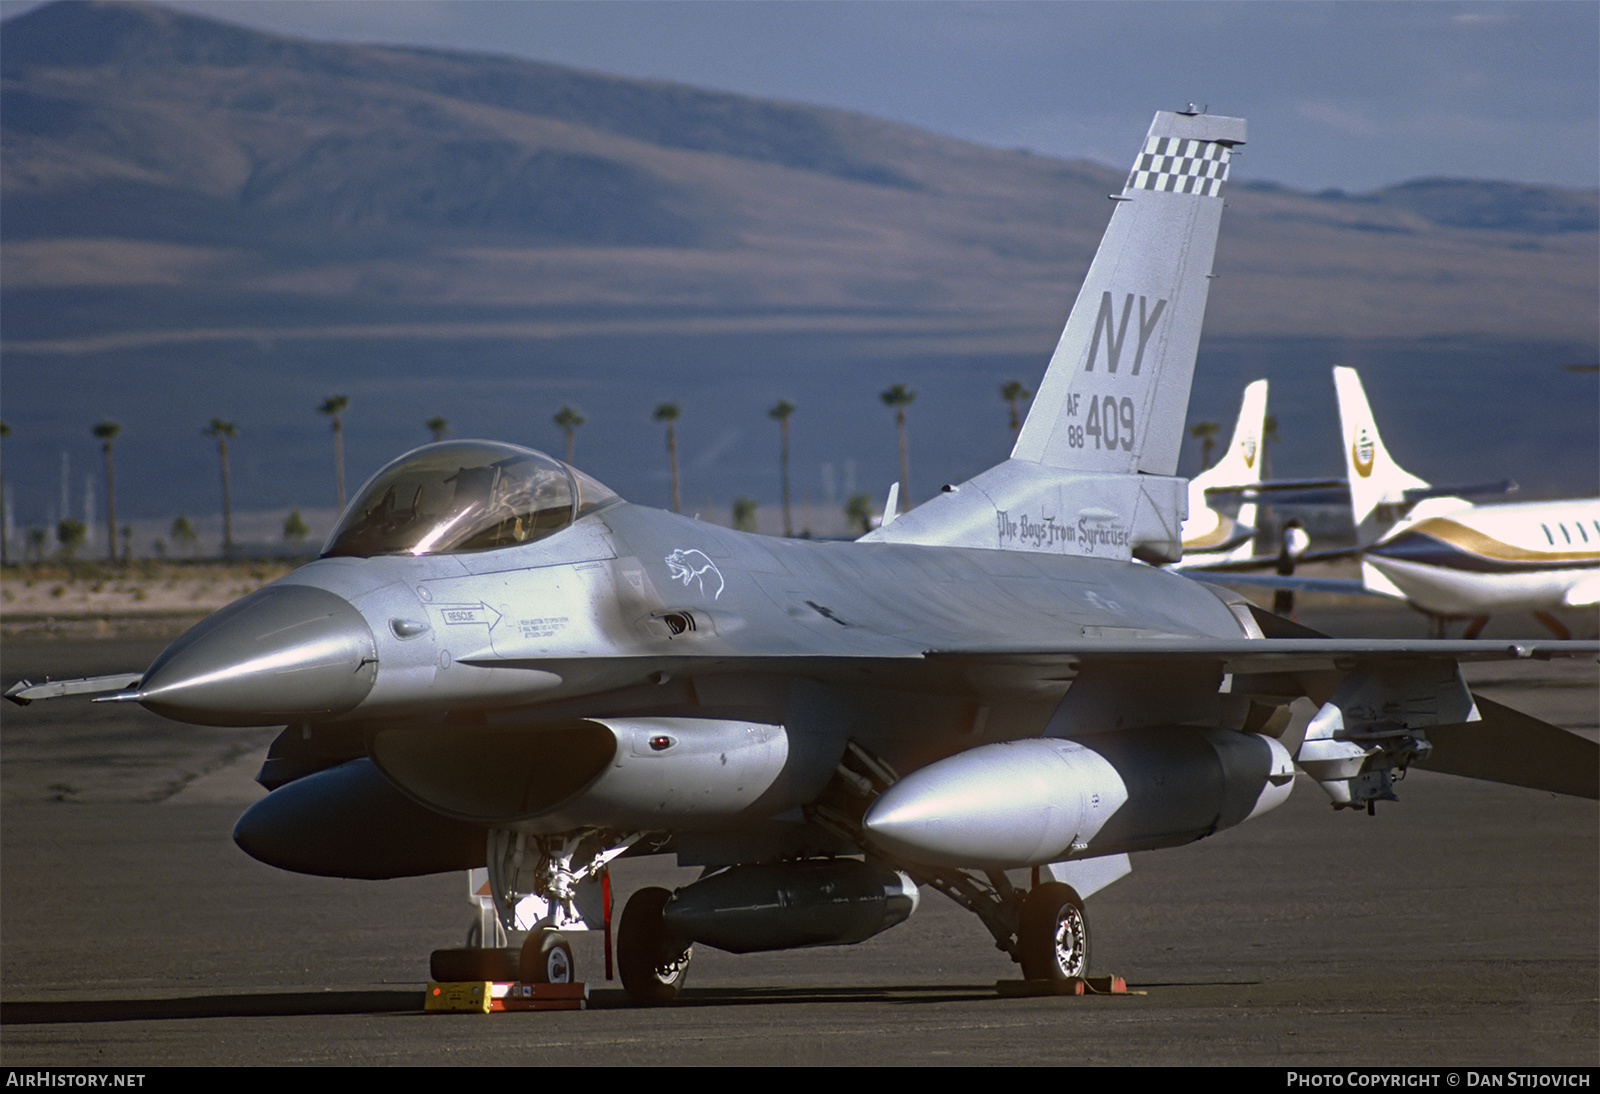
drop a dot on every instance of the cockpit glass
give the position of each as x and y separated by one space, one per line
464 496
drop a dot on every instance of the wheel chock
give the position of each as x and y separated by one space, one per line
1074 985
488 996
459 997
525 996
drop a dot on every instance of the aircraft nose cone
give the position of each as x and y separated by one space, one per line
282 654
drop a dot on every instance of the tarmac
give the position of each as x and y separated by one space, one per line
1458 927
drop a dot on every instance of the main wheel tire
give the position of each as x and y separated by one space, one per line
652 960
1053 934
450 966
547 959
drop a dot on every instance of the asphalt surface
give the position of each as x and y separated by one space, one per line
1457 927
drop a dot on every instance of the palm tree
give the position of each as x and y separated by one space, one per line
569 420
1014 393
899 397
295 529
333 406
107 432
668 412
859 511
70 534
438 427
224 432
780 413
1206 432
1269 435
183 534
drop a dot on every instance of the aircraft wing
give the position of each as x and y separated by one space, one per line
1276 654
1307 492
1233 655
1262 562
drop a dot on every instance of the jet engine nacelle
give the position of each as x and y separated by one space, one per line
1024 803
786 906
641 773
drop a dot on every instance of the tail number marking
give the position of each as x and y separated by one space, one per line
1110 425
1116 331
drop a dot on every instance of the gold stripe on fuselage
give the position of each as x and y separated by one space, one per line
1475 542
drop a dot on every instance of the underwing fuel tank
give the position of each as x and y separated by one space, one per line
785 906
1025 803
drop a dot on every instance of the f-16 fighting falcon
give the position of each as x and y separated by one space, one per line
498 664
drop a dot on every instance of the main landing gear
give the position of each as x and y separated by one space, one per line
1053 934
1044 928
653 961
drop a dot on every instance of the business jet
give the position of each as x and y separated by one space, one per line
1452 559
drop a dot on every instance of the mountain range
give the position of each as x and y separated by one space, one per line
200 220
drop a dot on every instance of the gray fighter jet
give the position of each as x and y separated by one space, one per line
497 664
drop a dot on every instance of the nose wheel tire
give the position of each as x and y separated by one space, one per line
546 959
653 961
1053 934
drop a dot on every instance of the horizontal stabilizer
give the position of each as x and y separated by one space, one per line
1507 746
1473 490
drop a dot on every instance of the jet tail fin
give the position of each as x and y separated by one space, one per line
1378 485
1095 463
1116 393
1240 465
1207 531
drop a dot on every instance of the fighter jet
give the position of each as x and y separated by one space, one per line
499 664
1451 559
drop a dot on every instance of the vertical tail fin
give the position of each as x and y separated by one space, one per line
1377 483
1116 393
1094 469
1240 465
1209 531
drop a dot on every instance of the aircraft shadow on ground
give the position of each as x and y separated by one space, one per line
397 1001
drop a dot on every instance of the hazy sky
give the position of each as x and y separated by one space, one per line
1355 95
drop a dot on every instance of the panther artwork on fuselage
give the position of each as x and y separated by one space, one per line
693 567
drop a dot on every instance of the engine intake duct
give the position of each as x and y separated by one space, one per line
646 772
786 906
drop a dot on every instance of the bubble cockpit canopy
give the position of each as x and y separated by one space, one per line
464 496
